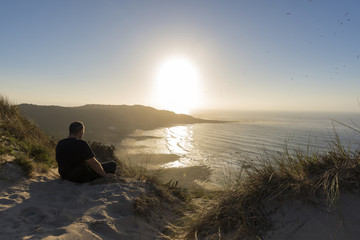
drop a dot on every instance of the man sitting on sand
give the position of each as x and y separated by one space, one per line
76 160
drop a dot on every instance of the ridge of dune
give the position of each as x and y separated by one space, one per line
46 207
296 219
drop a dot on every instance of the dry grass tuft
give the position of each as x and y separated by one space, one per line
140 171
281 176
27 164
145 204
12 122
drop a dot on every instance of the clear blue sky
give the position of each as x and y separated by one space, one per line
251 55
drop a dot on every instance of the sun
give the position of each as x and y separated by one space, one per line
177 85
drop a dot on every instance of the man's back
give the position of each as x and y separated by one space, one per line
71 154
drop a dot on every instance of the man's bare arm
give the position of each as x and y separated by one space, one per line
96 166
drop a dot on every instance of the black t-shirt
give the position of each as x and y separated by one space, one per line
71 154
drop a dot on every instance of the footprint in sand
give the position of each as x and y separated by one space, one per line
32 215
58 232
116 210
104 229
129 224
5 201
9 221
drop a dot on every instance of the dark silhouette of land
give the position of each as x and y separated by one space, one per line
105 123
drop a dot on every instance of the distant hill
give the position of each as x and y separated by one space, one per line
105 123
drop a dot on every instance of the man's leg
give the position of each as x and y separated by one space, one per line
109 167
86 174
83 174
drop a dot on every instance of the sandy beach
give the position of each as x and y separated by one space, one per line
46 207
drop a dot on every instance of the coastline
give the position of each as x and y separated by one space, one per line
193 177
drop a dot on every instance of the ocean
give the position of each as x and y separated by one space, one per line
223 147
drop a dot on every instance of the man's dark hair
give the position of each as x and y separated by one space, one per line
76 127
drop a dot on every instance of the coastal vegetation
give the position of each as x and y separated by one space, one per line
24 141
313 178
241 211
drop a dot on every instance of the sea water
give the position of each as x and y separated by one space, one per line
246 136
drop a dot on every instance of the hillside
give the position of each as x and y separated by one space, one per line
106 123
22 141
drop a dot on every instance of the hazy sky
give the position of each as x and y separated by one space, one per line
249 55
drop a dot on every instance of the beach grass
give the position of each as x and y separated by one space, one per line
32 148
242 209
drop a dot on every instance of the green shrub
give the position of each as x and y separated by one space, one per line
106 153
102 152
27 164
35 150
41 154
5 150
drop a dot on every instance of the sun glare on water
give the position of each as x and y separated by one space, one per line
177 85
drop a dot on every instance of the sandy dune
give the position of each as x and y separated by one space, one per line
298 220
47 207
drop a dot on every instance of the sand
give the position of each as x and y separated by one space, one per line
46 207
298 220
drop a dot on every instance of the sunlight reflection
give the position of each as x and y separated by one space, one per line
181 163
179 141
